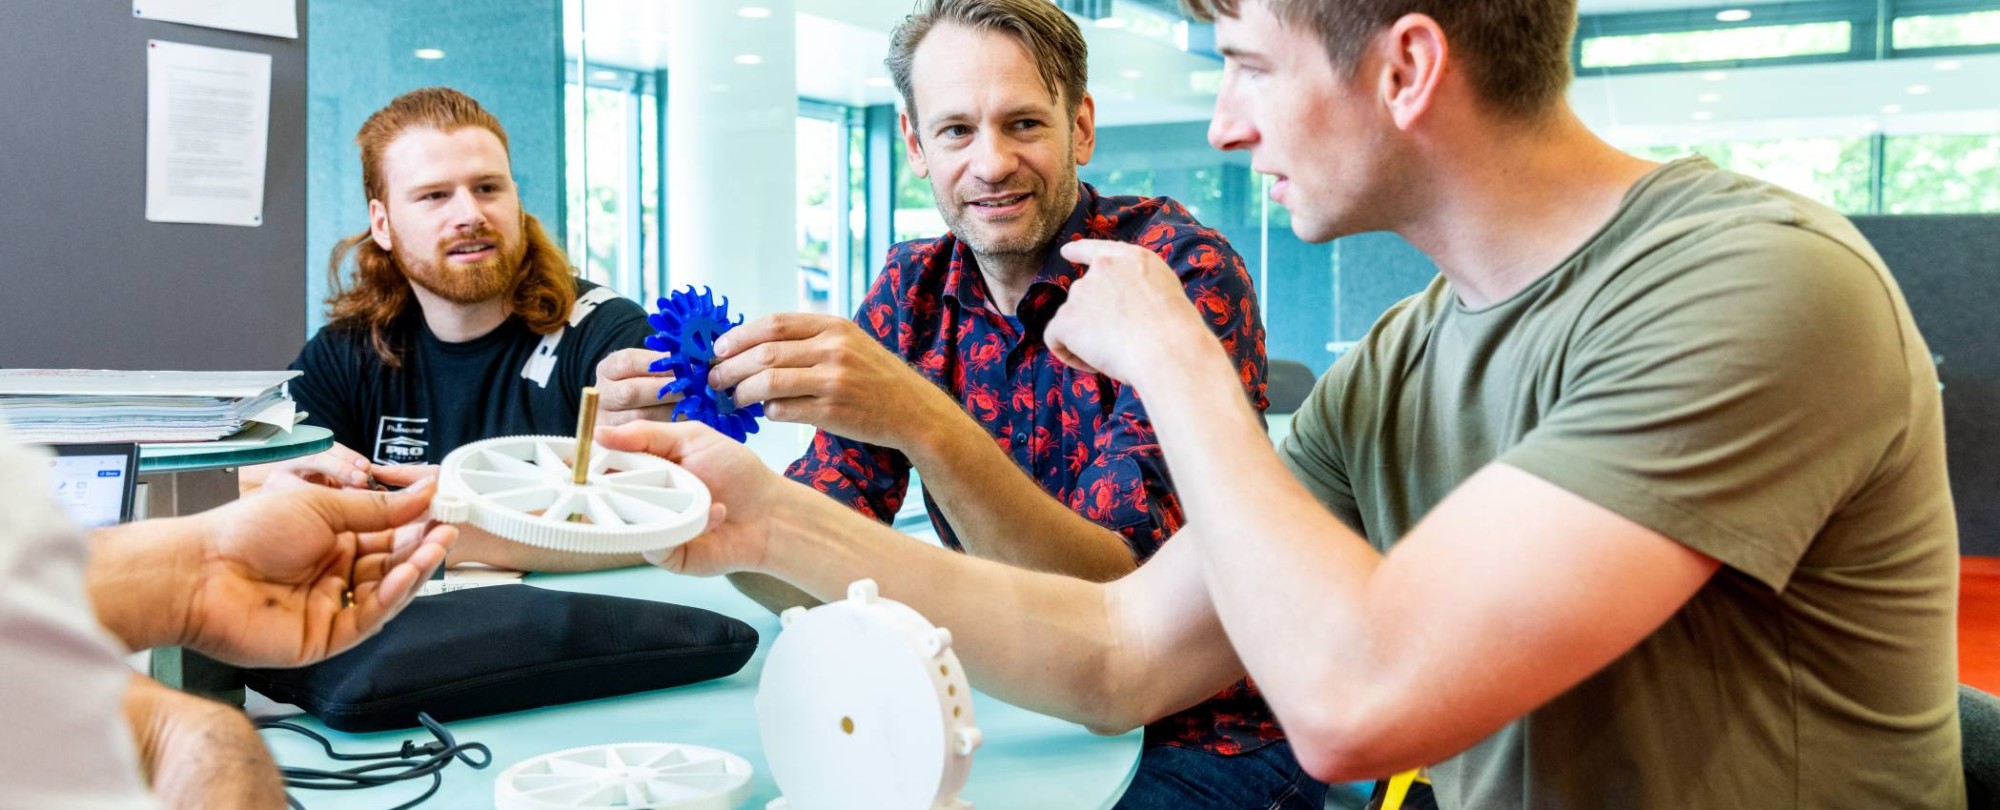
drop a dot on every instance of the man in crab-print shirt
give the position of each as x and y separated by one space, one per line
943 369
1083 438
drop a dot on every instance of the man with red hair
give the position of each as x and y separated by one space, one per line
462 321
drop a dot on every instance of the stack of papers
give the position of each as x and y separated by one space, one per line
78 405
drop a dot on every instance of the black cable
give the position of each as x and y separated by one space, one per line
435 756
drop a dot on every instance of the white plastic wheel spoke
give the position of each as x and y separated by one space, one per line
570 767
550 461
567 791
697 768
565 505
648 478
532 782
527 499
662 758
489 481
603 462
625 775
502 462
683 786
666 500
572 792
599 511
634 509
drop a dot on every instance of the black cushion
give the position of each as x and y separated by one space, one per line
482 651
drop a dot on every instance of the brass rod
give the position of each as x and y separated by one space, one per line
586 427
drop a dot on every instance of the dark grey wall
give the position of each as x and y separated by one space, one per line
85 280
1949 269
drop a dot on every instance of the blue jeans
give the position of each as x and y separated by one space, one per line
1268 778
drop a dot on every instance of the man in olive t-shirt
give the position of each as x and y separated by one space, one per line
1729 364
1641 505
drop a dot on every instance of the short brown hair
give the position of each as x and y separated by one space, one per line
1518 50
543 292
1050 36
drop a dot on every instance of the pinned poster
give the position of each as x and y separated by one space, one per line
208 123
277 18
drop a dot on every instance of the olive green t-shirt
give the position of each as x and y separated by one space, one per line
1728 364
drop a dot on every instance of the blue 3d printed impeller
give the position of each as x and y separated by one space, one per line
685 330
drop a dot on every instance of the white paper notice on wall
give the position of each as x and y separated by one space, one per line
208 123
277 18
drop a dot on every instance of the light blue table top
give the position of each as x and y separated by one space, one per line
1027 760
303 440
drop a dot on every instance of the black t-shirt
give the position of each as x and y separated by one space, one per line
450 394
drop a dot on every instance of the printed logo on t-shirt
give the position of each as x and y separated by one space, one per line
401 440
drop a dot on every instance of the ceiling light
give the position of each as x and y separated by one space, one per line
1732 15
1702 115
1111 22
429 53
753 12
1130 73
749 59
1713 76
1919 90
880 81
1950 64
1709 98
1891 109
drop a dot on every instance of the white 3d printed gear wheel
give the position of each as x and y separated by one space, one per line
657 776
863 706
522 488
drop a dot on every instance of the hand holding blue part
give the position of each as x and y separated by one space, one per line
685 330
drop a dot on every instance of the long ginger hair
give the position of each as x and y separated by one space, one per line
379 292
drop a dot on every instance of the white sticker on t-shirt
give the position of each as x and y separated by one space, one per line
402 440
543 361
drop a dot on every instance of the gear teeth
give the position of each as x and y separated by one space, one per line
652 526
687 324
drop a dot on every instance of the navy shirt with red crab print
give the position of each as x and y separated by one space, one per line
1084 437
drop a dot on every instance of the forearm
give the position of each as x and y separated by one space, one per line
1363 656
1271 555
141 579
1001 514
200 754
1036 640
478 545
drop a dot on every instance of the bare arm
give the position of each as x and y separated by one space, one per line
824 371
337 467
1525 583
199 754
1109 656
280 580
1363 656
1001 514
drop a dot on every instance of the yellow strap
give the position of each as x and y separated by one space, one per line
1399 787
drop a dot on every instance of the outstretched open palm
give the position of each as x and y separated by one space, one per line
291 578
